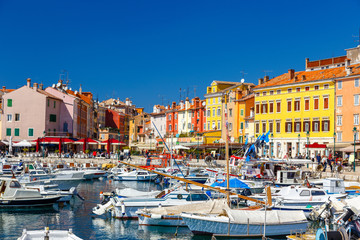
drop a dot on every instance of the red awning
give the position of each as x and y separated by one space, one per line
113 142
315 145
87 140
47 140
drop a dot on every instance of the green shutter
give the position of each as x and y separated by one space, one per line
242 112
31 132
48 102
8 132
9 102
52 118
17 132
54 104
241 125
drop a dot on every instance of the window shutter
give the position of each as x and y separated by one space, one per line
322 126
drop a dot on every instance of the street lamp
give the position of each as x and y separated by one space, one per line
43 145
299 145
119 146
308 143
272 145
355 131
198 138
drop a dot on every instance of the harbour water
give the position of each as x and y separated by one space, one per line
78 216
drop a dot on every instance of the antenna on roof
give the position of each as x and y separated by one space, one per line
243 76
195 91
180 94
266 71
358 40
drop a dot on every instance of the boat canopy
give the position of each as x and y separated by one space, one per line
233 183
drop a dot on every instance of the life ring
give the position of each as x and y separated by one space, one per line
220 181
179 196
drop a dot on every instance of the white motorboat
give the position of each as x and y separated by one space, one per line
50 189
48 234
136 175
93 173
170 216
126 208
12 194
247 222
132 193
66 179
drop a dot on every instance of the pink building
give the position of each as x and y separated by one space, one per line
28 112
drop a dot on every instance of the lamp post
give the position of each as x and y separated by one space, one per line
119 146
43 145
197 156
334 155
299 145
308 143
354 131
272 145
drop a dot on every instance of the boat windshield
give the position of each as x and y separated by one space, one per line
197 197
15 184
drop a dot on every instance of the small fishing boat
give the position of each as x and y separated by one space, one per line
247 222
136 175
48 234
13 194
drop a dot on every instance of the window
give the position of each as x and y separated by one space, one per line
271 127
246 124
306 126
52 118
9 117
241 125
298 127
298 89
16 132
170 127
230 126
218 123
356 99
264 93
208 113
169 116
48 102
218 112
317 193
175 127
214 112
288 127
289 90
356 119
8 132
356 82
257 108
339 101
305 193
278 126
271 107
264 108
208 126
17 117
316 126
175 116
297 105
189 125
326 102
339 120
278 91
271 92
307 88
316 87
54 104
316 103
230 112
9 102
339 136
278 106
325 125
204 126
257 94
31 132
339 84
257 126
289 106
264 127
307 104
326 86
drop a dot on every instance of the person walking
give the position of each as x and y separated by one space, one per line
128 156
324 162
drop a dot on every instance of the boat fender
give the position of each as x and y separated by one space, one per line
101 196
34 179
179 196
156 216
220 180
122 208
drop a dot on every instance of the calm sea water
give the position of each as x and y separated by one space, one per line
78 216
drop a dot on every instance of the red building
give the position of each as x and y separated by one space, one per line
198 117
172 119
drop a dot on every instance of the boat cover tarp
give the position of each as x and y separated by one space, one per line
233 183
258 217
210 207
354 203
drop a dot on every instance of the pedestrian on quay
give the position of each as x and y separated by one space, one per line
318 158
324 162
128 156
329 162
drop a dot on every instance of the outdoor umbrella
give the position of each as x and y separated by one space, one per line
111 141
22 143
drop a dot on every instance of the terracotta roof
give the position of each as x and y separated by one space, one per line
310 76
225 82
81 96
6 90
249 96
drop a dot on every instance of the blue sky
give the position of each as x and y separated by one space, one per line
148 50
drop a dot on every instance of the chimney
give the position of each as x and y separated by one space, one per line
348 69
173 105
41 86
266 78
28 82
306 62
347 63
291 73
261 81
303 78
295 78
4 89
80 89
35 87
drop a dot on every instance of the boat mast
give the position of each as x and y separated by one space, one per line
225 98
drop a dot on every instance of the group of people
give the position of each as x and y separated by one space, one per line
331 161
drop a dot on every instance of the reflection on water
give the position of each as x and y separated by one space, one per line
77 215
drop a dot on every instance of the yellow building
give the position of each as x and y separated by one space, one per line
294 106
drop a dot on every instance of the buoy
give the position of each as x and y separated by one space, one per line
101 196
122 208
110 181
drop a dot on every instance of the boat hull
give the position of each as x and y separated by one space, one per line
208 227
163 220
46 201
